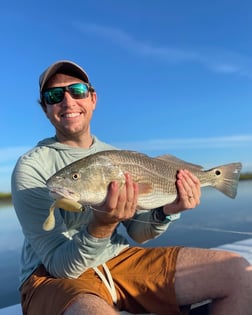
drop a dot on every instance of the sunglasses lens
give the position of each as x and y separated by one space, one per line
54 95
78 90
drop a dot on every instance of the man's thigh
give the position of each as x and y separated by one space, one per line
89 304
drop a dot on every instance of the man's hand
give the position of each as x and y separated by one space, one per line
189 193
119 205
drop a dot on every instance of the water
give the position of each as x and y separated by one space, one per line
10 248
218 220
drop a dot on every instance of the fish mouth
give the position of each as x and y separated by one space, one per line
60 192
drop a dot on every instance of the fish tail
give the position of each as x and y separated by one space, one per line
228 178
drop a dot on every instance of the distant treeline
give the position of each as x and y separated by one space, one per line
7 196
246 176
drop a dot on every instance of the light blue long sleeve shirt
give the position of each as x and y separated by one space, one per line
68 250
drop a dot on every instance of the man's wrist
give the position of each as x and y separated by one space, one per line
101 231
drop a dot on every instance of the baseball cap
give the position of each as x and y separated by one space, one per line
65 67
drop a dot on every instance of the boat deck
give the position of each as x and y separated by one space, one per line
243 247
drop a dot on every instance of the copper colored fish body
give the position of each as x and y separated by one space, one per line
86 181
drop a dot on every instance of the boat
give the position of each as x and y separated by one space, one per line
244 248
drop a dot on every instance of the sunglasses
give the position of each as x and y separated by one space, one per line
56 94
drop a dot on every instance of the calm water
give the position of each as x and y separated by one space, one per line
218 220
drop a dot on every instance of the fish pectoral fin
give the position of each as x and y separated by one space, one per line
173 159
144 188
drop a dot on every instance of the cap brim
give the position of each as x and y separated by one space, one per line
62 66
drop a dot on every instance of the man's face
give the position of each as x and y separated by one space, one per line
71 117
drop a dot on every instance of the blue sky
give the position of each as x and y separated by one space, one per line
171 76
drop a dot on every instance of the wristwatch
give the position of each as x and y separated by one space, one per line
173 217
162 217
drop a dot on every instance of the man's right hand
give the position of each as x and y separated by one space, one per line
120 205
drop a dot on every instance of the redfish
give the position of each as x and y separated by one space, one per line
86 181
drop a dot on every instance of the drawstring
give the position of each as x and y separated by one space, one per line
109 283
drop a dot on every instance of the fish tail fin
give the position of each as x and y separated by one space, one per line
229 175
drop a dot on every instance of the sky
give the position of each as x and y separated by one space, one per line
171 76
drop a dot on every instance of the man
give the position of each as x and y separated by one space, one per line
84 266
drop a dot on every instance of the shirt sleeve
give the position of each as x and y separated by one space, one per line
62 255
144 227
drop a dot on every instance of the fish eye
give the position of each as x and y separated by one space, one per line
75 176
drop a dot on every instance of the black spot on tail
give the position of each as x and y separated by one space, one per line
217 172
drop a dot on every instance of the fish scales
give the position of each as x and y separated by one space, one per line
156 173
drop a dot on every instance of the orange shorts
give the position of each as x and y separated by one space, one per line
143 279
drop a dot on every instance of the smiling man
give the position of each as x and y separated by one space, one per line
84 265
72 123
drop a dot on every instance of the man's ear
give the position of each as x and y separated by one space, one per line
44 108
94 99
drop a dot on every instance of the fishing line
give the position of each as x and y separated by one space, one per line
136 220
212 229
204 228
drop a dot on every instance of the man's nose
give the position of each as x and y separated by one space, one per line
68 99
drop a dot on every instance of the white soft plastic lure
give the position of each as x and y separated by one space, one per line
64 203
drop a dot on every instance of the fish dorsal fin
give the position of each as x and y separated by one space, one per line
173 159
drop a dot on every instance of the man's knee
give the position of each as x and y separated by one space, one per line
89 304
236 263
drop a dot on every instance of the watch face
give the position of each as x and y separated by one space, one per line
173 217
